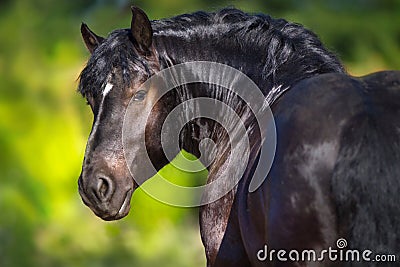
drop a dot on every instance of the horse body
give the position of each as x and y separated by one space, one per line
332 175
329 128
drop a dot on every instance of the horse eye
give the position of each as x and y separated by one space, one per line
140 95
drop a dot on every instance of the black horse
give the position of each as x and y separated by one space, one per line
337 164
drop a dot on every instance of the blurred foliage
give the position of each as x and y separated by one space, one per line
44 125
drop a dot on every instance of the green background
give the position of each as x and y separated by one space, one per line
44 125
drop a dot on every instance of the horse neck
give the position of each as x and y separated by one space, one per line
212 141
173 51
282 56
212 144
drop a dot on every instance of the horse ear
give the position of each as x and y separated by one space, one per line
141 28
90 38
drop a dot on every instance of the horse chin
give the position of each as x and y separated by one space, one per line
125 207
123 210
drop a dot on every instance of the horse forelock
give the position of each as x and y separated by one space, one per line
115 56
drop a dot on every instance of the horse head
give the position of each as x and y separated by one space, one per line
118 65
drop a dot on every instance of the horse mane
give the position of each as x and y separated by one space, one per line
286 52
274 53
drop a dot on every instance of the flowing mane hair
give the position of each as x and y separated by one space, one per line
286 52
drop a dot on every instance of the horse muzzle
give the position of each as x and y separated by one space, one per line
107 198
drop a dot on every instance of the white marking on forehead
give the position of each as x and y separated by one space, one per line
107 89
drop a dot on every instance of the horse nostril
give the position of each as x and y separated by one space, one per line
105 188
